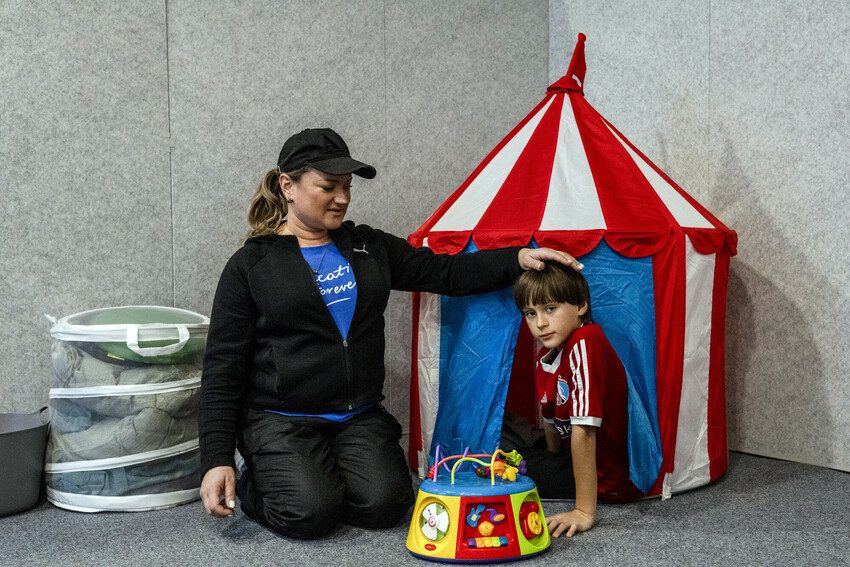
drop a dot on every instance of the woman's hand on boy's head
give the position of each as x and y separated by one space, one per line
534 258
571 522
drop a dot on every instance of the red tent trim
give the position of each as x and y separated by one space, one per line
669 279
718 453
414 436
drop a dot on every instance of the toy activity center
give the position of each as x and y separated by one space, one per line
491 513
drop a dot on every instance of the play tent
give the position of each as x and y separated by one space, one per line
657 262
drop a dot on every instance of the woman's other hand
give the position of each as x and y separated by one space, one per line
534 258
218 481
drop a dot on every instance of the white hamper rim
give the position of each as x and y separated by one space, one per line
126 389
124 461
65 330
135 503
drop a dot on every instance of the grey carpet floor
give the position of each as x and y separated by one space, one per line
764 512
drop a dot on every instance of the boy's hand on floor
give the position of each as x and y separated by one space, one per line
570 522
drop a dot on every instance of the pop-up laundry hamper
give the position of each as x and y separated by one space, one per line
124 409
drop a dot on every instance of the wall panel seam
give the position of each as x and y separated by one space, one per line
711 172
170 155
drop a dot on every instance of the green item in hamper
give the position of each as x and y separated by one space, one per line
139 315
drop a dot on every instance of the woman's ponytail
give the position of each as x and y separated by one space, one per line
267 210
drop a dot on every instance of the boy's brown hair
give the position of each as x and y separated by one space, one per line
555 283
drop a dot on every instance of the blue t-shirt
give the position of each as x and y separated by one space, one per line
336 282
339 290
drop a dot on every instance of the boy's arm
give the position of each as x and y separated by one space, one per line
583 446
582 517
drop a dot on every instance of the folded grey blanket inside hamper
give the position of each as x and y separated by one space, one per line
148 430
174 473
74 367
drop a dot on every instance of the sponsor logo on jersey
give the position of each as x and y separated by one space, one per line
563 391
564 427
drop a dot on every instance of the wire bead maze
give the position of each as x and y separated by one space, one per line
507 469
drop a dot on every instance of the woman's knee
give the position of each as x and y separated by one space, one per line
311 517
383 506
300 512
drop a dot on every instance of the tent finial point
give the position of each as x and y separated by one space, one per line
573 80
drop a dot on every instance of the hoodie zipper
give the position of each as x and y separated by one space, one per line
345 352
348 373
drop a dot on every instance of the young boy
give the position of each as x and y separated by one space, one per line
583 393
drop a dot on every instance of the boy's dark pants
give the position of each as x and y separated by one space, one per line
551 472
305 475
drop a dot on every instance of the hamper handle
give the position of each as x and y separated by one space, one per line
133 342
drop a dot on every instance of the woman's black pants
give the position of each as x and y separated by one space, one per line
305 475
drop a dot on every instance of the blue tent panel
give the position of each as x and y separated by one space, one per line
477 338
623 303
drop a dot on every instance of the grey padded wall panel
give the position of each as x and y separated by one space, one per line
746 106
779 126
85 220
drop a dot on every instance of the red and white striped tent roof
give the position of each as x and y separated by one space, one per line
566 178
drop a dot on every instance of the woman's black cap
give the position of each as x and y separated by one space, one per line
322 149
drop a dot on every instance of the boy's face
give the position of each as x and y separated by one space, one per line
553 323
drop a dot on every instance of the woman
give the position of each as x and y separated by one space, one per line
294 366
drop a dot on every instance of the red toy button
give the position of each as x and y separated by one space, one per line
529 518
